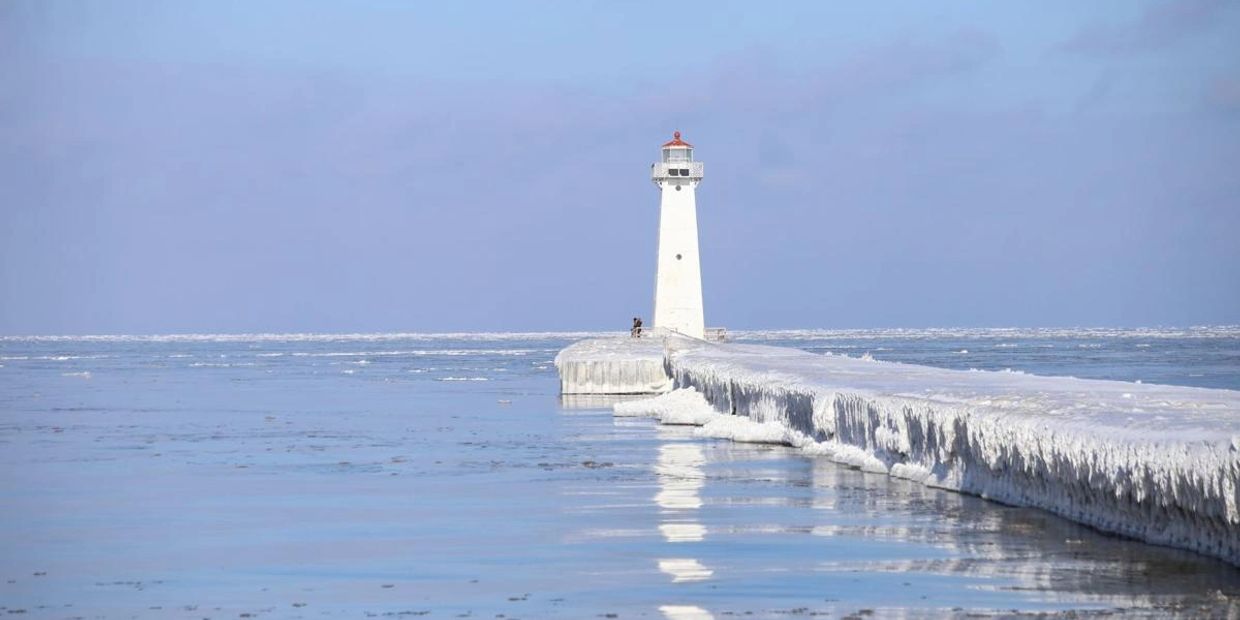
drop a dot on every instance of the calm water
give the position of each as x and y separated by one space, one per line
399 476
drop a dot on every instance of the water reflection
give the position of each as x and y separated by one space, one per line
786 531
682 532
595 402
685 612
681 478
905 534
685 569
1013 549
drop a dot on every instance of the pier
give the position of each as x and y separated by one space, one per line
1152 462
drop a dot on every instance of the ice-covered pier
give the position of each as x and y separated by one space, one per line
614 366
1157 463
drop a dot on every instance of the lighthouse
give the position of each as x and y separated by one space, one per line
678 280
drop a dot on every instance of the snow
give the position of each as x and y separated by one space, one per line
688 407
685 406
1153 462
620 365
1014 333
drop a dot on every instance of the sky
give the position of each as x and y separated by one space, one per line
224 166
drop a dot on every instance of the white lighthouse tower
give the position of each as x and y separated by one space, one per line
678 282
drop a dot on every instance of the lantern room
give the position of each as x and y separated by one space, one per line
677 166
677 150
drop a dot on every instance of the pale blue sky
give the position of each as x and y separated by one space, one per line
326 166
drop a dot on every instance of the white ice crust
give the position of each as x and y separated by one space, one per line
620 365
687 406
1157 463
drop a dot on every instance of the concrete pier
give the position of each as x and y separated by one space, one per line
1153 462
621 365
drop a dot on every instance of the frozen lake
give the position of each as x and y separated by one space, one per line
406 476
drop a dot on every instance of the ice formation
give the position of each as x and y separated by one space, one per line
1153 462
613 366
686 406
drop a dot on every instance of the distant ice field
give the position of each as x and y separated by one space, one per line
1196 357
1203 356
441 475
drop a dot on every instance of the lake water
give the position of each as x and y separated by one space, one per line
442 476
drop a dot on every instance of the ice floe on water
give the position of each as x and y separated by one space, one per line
416 353
310 337
1007 333
1004 333
53 358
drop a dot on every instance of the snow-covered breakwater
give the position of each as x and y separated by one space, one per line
613 366
1157 463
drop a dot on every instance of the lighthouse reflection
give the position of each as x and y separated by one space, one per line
682 532
685 569
685 612
680 480
679 469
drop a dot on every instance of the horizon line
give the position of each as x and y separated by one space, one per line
325 335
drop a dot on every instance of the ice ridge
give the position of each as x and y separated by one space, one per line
1156 463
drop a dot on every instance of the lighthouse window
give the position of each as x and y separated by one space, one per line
673 171
677 155
684 172
677 257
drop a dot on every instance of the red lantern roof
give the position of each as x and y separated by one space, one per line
676 141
